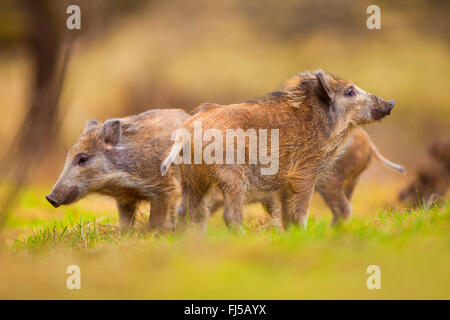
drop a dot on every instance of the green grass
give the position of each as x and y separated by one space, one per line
389 227
411 247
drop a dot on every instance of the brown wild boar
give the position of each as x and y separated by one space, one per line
121 158
308 121
432 180
336 187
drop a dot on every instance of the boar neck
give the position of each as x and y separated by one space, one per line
321 134
135 162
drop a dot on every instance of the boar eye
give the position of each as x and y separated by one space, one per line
350 92
81 159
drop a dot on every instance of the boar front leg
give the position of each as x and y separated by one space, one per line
296 200
127 211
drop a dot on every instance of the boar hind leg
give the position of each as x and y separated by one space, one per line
127 211
295 202
335 197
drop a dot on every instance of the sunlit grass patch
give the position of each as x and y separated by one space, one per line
388 226
259 263
79 235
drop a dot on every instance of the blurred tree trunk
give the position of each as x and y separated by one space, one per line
48 41
43 39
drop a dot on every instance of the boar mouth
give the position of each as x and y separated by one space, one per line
71 197
377 114
381 108
73 194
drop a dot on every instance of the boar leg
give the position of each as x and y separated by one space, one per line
273 205
335 197
214 199
127 211
349 187
162 208
233 202
295 204
192 212
214 206
174 205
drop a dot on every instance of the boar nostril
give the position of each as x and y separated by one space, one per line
52 201
392 102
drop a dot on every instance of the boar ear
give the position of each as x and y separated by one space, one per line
325 86
90 124
111 131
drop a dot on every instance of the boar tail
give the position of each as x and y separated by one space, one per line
388 163
174 151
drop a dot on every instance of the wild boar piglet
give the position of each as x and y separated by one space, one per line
121 158
284 142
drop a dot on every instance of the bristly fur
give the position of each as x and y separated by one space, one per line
312 128
335 185
126 166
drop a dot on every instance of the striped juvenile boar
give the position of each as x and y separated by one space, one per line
121 158
308 121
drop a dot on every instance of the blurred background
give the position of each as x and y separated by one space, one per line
135 55
131 56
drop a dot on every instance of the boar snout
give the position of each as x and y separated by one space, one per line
391 104
58 198
382 108
52 200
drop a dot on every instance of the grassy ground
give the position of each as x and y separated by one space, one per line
411 247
